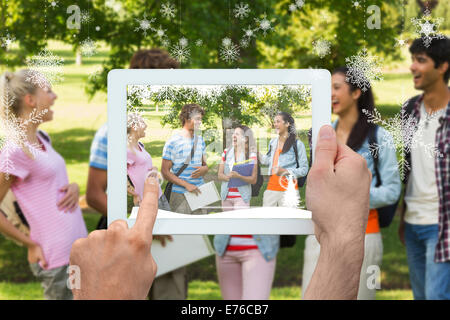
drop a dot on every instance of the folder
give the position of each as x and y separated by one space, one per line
244 168
208 195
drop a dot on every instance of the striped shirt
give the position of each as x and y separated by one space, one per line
177 149
442 173
99 149
234 192
37 190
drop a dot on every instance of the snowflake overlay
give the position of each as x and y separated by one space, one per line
241 10
362 69
264 24
145 24
85 17
7 41
428 28
45 68
296 5
291 198
321 47
406 135
168 10
88 47
13 134
181 51
229 52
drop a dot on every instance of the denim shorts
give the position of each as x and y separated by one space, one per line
54 282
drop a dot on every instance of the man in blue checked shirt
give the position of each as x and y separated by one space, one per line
425 220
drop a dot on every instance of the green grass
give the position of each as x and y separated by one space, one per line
198 290
76 120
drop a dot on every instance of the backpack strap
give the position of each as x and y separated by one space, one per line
373 141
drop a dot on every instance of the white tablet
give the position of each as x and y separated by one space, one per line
121 82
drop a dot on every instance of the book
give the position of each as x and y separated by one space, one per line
208 195
244 168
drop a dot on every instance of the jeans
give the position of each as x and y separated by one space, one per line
429 280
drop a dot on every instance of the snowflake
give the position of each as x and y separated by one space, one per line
229 52
160 32
400 42
135 119
166 94
45 68
181 53
7 41
362 69
165 42
88 47
264 24
183 42
356 4
199 42
94 74
168 10
241 10
405 135
244 43
291 197
427 28
249 32
296 5
13 133
321 47
299 3
145 24
85 17
54 4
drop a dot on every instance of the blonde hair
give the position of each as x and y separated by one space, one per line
13 87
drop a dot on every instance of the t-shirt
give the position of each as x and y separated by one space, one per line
421 197
37 190
139 164
99 149
177 149
234 192
278 183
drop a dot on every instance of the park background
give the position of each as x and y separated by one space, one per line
116 30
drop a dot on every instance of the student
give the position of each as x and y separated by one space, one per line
97 178
337 193
286 156
37 176
424 224
139 161
353 129
244 268
184 166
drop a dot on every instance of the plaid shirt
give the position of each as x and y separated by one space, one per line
442 171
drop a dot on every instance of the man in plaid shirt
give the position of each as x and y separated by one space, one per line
425 220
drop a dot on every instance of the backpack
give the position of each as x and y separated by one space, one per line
385 214
300 181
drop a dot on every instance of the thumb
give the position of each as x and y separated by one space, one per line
326 148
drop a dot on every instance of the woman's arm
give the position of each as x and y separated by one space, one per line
303 167
220 175
6 227
389 191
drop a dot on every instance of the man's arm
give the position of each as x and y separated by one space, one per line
337 193
96 190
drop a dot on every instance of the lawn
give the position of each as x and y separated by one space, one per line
76 120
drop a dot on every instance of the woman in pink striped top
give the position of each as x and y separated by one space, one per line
37 176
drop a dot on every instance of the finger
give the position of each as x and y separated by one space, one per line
148 210
326 149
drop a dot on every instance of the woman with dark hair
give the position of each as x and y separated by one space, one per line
354 130
286 156
245 263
